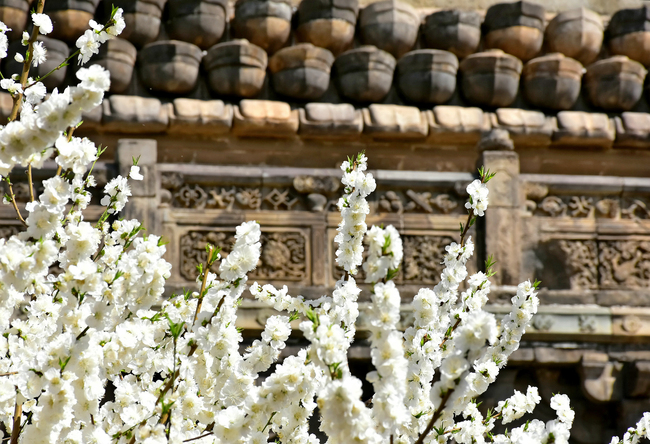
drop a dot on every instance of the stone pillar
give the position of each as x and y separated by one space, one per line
502 219
143 203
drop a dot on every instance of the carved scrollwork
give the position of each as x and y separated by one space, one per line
283 257
611 207
422 201
422 263
582 262
624 264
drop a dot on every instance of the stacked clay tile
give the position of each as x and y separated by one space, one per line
513 54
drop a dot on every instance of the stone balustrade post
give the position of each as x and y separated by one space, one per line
503 219
143 203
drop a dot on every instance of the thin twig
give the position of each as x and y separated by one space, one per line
31 184
203 283
199 437
8 373
18 413
436 415
24 76
12 196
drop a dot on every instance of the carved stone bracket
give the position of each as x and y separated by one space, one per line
601 378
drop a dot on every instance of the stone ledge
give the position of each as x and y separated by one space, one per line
441 125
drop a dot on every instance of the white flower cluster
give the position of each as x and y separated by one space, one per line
634 434
478 197
384 252
93 360
90 41
354 208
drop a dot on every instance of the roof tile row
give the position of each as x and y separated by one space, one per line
441 125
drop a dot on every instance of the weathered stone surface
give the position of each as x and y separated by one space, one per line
601 380
490 78
629 34
394 122
553 81
301 71
456 125
236 68
132 114
142 19
548 355
632 130
495 139
264 118
427 75
70 16
579 128
616 83
577 33
330 120
390 25
118 56
456 31
57 52
527 128
329 24
13 13
200 22
265 23
365 74
191 116
169 66
146 151
637 384
6 105
516 28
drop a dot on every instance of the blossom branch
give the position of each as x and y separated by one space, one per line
24 76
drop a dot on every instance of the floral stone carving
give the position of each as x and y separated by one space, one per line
284 253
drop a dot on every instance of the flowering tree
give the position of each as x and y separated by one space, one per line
176 370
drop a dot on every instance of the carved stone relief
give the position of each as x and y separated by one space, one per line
604 264
202 196
582 262
611 207
284 254
422 263
418 202
624 264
